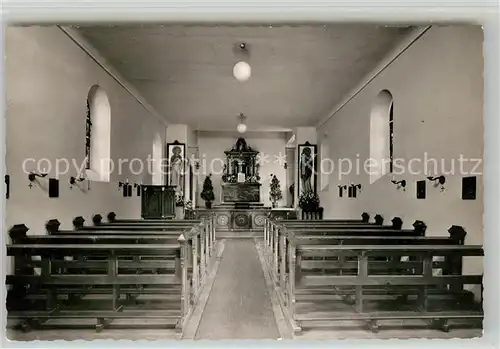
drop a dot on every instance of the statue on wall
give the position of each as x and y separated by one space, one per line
241 145
176 171
306 169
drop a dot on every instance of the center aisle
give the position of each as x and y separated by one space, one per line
239 306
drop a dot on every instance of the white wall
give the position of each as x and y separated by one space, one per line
437 85
48 79
212 148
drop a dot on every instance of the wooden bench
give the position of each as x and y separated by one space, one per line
364 281
206 226
205 240
276 231
197 256
278 260
208 219
56 284
365 218
200 243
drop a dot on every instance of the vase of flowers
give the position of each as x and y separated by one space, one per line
309 201
179 206
188 210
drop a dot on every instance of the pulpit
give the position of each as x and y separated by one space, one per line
157 202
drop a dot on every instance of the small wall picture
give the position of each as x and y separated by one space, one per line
176 156
469 185
307 168
421 190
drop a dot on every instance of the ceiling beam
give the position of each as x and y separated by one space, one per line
83 44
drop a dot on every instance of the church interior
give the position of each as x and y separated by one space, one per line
243 181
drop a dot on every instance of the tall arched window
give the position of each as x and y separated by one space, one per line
157 177
391 138
326 165
88 134
98 135
381 136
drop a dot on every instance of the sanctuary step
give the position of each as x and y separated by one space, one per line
247 205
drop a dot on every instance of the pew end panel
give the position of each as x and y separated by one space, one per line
52 226
78 222
111 217
97 219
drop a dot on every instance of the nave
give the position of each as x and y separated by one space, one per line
238 293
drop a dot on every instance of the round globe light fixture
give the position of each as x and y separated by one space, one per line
242 71
241 128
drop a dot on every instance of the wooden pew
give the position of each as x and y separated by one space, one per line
197 259
352 237
205 242
331 227
366 258
273 241
365 218
344 264
206 225
209 221
200 243
52 307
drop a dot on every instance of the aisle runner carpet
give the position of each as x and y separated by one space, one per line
238 306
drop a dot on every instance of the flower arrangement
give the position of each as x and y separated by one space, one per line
232 178
252 179
309 201
179 200
229 178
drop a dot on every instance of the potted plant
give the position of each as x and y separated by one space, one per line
275 191
179 206
309 201
207 193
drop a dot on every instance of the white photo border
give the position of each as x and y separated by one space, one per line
257 11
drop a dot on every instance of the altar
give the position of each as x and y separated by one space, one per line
240 180
240 193
240 208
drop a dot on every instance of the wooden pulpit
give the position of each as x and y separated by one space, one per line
158 202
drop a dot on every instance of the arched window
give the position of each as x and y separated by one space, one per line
88 134
381 136
391 138
326 165
98 135
157 178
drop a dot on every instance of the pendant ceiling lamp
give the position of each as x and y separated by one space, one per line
242 70
242 127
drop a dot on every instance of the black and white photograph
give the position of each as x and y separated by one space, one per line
219 179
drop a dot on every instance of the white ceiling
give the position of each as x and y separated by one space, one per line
299 73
